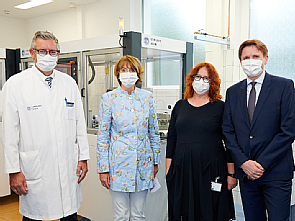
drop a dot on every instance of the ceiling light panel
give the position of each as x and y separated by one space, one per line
32 3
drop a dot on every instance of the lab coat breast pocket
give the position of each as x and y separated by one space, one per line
31 165
70 111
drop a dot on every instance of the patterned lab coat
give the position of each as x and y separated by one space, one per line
128 143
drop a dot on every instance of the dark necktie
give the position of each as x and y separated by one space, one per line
49 81
251 102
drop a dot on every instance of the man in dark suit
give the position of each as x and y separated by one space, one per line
259 130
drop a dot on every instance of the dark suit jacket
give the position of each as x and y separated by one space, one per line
268 139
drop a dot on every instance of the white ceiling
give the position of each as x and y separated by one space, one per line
55 6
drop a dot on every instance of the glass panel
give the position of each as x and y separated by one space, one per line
163 72
100 80
115 82
162 67
2 74
96 88
270 22
177 20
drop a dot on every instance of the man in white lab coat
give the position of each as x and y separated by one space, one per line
45 139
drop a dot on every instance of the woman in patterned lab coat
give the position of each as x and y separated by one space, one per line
128 144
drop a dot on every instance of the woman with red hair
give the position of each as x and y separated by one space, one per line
199 179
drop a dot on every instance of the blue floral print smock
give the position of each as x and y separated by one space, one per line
128 143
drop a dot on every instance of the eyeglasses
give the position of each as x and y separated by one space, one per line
43 52
124 70
205 79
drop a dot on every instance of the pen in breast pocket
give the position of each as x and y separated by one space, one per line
66 100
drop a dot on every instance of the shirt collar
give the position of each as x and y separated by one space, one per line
41 75
125 92
258 80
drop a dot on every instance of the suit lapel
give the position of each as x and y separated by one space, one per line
243 102
262 96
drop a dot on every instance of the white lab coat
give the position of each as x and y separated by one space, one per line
44 139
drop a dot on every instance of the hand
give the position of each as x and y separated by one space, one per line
231 183
252 169
105 180
82 165
18 183
167 170
168 164
156 169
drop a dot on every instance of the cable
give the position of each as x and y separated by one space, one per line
120 41
93 71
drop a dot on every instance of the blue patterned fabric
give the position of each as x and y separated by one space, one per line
128 143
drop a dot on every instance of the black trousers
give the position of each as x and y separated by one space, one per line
72 217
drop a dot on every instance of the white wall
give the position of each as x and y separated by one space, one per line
86 21
225 59
63 25
13 32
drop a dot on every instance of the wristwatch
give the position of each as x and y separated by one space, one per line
231 175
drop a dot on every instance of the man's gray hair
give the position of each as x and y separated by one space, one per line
46 35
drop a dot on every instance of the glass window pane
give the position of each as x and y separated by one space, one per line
95 90
177 20
2 73
271 21
164 72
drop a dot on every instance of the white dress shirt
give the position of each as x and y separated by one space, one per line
258 86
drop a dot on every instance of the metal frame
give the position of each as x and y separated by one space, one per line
85 62
2 71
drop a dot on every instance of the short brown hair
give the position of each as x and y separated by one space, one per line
214 90
259 45
134 64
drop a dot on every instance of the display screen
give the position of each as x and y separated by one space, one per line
65 68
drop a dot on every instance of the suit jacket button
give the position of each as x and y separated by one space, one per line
251 137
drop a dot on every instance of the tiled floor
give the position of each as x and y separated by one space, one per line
9 209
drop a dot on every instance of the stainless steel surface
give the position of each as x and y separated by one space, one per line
157 203
163 120
92 130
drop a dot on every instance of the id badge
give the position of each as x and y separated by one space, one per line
70 111
215 186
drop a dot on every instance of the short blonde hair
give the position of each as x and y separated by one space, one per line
134 64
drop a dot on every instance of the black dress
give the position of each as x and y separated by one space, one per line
198 157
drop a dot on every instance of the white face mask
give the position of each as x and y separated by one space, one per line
200 86
128 79
46 63
252 67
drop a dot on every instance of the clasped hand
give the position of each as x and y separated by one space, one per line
252 169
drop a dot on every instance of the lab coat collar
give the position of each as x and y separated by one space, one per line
41 75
